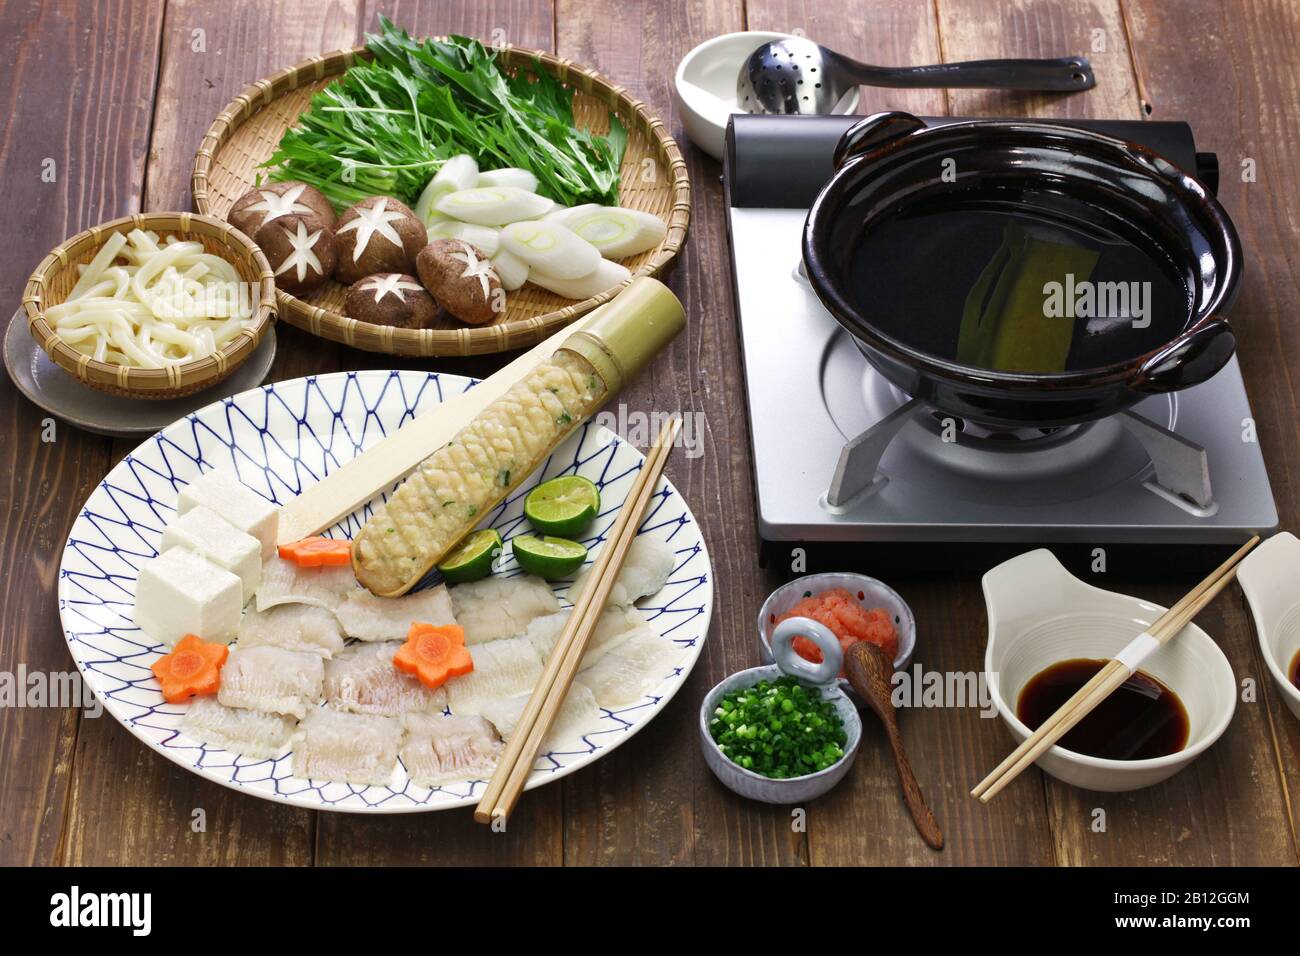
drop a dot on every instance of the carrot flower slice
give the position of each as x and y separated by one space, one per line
192 669
317 551
434 653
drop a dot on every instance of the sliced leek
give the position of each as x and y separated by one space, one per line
494 205
484 238
607 275
509 176
550 248
510 269
457 173
615 231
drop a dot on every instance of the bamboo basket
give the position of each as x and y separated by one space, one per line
247 132
54 278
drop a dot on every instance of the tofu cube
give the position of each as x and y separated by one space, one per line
237 503
204 531
180 592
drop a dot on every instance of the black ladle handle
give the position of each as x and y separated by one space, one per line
1066 74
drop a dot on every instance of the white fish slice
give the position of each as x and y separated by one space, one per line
439 749
251 733
646 570
614 627
498 607
501 669
271 679
370 618
578 715
294 627
283 582
631 670
352 748
363 680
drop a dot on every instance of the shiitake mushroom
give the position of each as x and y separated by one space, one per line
391 298
301 251
378 234
462 279
270 201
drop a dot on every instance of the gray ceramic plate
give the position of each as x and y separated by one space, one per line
60 394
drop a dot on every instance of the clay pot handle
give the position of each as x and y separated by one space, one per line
1192 358
872 132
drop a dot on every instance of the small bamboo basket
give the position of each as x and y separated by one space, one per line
54 278
654 179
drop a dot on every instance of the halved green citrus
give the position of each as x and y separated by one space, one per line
472 558
563 506
548 557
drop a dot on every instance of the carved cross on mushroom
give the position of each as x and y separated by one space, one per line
278 202
461 277
391 298
392 283
378 235
475 267
371 220
302 252
276 205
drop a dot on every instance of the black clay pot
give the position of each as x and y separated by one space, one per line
890 160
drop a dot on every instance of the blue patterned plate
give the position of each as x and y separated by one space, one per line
280 439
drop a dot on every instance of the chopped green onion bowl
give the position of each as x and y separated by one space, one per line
779 729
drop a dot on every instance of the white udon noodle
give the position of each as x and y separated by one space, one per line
145 305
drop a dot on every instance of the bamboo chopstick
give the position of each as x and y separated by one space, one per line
1112 676
599 590
507 783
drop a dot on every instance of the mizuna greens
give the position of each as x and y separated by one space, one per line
387 126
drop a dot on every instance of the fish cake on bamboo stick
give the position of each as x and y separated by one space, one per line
455 487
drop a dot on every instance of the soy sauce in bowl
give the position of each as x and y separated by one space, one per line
1295 670
1140 720
1002 280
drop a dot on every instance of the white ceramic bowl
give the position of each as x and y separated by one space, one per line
765 789
1040 614
1270 577
873 593
705 86
789 790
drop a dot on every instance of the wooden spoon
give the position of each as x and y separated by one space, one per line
870 670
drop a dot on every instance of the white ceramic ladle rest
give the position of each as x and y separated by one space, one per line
1270 578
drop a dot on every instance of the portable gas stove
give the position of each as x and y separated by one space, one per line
841 457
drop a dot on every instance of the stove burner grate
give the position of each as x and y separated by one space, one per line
1182 473
942 422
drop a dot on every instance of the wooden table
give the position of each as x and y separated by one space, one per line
117 95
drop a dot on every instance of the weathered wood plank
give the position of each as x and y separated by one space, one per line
209 53
1235 78
654 801
1228 807
76 90
864 821
973 30
535 835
